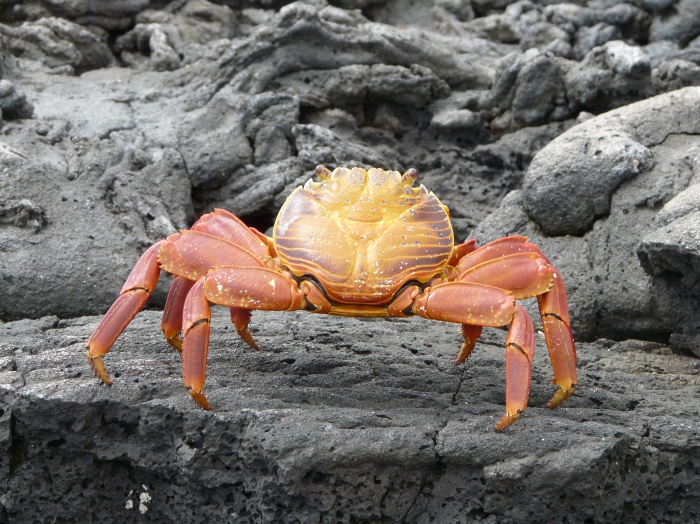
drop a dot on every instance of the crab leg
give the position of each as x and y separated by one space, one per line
241 318
556 325
171 325
524 274
236 287
498 248
478 305
196 319
520 350
503 263
470 334
228 227
254 288
133 296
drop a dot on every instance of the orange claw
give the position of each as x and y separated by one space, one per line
134 294
196 319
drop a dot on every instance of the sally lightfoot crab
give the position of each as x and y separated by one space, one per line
356 243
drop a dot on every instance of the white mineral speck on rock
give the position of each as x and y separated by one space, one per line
129 504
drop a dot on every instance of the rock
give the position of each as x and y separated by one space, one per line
456 119
159 44
609 76
681 25
610 293
114 15
674 246
366 420
57 42
538 90
589 37
569 185
371 402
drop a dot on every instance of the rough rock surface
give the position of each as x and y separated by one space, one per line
123 121
340 420
615 199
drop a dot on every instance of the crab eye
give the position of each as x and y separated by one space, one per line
322 172
409 176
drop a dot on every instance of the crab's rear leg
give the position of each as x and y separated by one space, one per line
133 296
244 288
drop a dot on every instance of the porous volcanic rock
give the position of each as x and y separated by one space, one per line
124 121
340 420
614 199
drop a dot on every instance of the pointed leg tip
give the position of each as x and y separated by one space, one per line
560 396
176 342
98 367
247 337
507 420
200 399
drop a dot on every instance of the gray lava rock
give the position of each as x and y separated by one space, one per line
611 197
675 245
681 25
56 43
124 121
339 420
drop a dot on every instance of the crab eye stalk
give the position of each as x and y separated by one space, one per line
322 172
409 177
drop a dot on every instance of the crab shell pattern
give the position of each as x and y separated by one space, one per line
357 243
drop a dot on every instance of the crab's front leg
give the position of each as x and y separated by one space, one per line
243 288
480 305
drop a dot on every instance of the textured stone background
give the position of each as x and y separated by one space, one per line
123 121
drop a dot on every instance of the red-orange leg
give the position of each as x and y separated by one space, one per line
254 288
226 225
554 311
241 289
241 318
171 325
479 305
470 334
520 350
196 321
512 263
133 296
498 248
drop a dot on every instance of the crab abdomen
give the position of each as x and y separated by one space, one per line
363 235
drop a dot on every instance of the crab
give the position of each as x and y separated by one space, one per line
355 243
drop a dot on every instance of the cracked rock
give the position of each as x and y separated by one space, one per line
310 427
